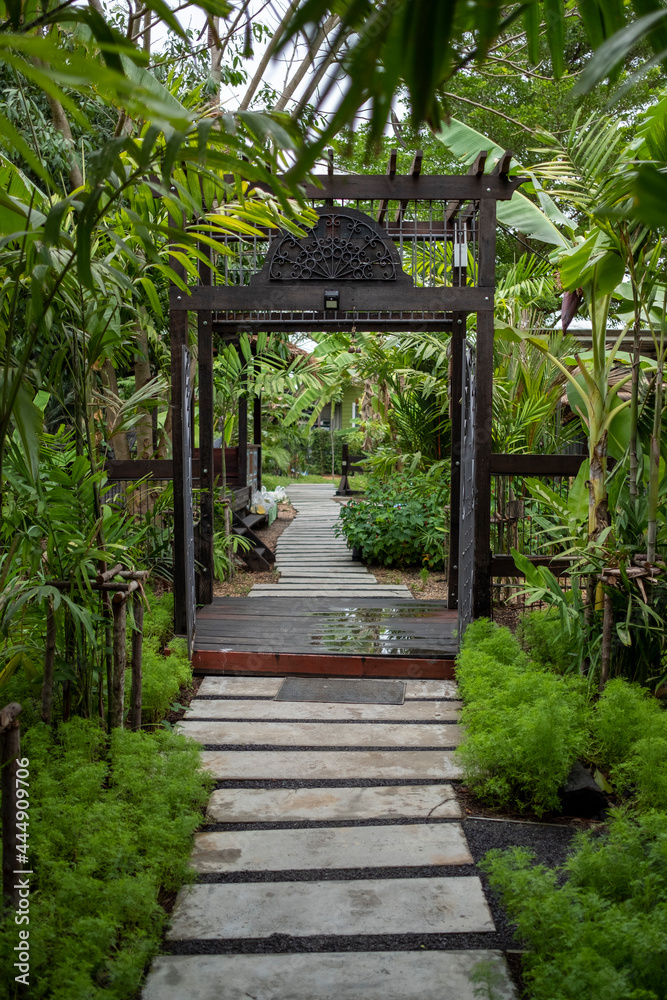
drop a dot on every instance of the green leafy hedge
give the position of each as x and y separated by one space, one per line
525 726
603 934
111 831
399 523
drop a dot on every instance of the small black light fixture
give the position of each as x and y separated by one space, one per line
331 300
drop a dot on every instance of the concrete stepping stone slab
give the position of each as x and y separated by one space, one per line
268 687
318 765
409 845
377 975
275 805
324 734
416 711
431 689
303 909
265 687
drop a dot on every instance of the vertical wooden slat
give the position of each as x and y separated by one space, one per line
206 474
458 335
484 411
178 337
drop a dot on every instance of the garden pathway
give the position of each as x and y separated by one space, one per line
313 561
334 865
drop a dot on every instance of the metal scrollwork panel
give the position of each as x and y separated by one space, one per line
188 520
344 245
467 507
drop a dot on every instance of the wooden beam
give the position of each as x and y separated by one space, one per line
536 465
139 468
377 296
374 187
415 171
391 172
501 168
503 565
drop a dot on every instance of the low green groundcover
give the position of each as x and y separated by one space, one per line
111 824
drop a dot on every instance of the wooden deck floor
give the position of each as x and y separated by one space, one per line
379 638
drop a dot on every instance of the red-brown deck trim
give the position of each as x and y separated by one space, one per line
208 661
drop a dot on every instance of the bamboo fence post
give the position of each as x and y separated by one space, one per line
119 662
137 644
10 750
49 661
108 654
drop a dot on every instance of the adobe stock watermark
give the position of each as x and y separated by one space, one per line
22 872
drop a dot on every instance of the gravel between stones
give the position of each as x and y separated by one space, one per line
550 844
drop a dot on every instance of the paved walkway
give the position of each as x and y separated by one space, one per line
334 865
313 562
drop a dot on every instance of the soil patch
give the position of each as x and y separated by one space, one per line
434 588
244 580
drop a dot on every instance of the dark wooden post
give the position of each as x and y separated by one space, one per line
178 336
206 475
243 433
484 410
456 362
137 650
10 751
119 607
257 436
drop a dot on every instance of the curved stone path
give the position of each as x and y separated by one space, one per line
333 864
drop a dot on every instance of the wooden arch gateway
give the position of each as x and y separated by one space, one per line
389 252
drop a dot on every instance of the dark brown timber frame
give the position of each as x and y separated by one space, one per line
376 245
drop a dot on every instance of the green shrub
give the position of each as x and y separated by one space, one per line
523 737
400 523
525 726
542 635
111 830
624 714
159 618
603 934
162 678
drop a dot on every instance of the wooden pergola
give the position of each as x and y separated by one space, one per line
389 252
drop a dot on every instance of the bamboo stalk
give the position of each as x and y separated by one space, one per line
607 626
109 573
10 751
49 661
119 609
137 648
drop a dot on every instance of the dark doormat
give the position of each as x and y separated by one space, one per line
354 691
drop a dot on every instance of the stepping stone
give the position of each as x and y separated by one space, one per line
431 689
405 846
351 975
323 734
316 765
442 711
324 588
304 909
265 687
274 805
349 591
268 687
